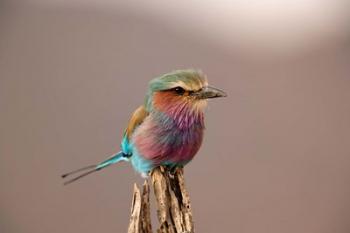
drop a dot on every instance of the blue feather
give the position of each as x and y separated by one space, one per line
120 156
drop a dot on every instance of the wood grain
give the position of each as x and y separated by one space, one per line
173 204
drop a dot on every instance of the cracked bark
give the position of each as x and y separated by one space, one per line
140 220
173 204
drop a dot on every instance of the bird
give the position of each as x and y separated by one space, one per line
167 129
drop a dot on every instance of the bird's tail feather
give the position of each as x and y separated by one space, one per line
120 156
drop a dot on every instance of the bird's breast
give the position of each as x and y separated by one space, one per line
165 141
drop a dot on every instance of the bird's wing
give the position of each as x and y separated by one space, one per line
136 119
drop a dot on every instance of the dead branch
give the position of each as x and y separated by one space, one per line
140 220
173 204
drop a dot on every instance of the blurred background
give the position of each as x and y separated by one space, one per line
276 155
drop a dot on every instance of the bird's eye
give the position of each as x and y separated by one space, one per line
179 90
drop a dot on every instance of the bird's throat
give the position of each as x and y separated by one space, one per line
176 111
180 119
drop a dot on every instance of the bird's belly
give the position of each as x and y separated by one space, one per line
167 146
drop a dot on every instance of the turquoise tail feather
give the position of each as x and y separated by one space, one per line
120 156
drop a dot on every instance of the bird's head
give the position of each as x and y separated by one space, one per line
179 91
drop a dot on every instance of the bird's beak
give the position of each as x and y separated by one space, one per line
210 92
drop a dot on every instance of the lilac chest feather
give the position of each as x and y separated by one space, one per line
169 140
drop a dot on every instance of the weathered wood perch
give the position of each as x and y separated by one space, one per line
173 204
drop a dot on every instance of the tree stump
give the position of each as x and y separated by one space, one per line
173 204
140 220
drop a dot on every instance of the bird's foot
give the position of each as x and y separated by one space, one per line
172 170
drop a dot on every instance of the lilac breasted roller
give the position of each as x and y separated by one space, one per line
168 128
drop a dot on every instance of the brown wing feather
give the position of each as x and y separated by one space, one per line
136 119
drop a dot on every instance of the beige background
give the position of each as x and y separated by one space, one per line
277 151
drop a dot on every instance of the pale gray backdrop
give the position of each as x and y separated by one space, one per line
276 155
